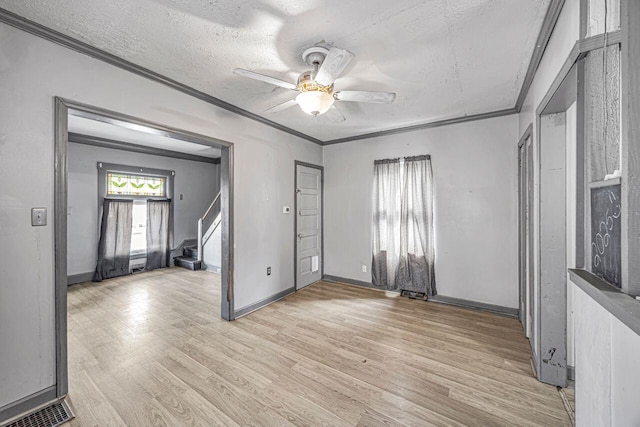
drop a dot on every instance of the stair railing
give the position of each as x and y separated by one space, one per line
200 226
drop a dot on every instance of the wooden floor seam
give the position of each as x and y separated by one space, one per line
151 349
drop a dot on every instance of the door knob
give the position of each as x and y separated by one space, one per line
297 190
300 236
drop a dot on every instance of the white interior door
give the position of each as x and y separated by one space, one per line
308 225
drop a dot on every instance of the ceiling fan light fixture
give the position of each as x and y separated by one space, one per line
315 102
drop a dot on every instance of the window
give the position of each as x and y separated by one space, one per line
139 228
119 184
137 183
132 185
403 243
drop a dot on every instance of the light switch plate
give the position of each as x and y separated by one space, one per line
286 209
38 216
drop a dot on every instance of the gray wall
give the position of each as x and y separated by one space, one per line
32 72
475 175
198 182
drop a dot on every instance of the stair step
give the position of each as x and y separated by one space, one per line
187 262
190 251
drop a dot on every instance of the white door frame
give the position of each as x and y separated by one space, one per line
295 219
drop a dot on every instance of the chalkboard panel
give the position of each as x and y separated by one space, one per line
606 260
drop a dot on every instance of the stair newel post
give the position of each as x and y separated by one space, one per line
200 239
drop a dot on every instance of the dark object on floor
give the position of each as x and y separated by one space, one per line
53 415
414 295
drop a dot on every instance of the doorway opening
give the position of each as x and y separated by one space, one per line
525 226
557 231
160 208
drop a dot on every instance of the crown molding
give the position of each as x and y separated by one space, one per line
46 33
51 35
549 23
137 148
427 125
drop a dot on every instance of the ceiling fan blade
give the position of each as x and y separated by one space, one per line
364 96
335 115
283 106
263 78
333 65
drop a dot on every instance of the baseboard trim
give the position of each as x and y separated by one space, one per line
497 309
213 269
338 279
258 305
571 372
74 279
27 404
534 363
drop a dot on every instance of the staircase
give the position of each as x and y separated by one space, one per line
192 255
189 258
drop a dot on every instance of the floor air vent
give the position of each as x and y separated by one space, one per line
53 415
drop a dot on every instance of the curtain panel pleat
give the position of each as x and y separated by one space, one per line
114 246
415 269
158 227
403 241
386 223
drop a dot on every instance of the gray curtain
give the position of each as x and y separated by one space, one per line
403 244
158 227
115 239
387 191
415 270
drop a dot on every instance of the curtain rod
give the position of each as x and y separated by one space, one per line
406 159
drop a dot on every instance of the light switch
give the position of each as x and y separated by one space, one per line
286 209
38 216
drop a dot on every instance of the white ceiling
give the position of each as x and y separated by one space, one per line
141 136
443 58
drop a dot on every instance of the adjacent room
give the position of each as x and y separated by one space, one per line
275 212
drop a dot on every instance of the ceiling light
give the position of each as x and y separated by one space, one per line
315 102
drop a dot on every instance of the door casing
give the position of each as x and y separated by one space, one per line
525 226
62 109
295 220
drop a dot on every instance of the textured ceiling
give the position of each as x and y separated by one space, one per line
100 129
443 58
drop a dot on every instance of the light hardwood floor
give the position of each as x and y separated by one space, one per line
150 349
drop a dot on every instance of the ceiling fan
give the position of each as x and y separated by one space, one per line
317 94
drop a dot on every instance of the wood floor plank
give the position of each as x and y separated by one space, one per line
151 349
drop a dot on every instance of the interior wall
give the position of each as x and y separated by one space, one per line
606 359
475 167
550 350
197 182
32 72
564 36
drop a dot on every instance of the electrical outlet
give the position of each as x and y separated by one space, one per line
268 271
364 268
